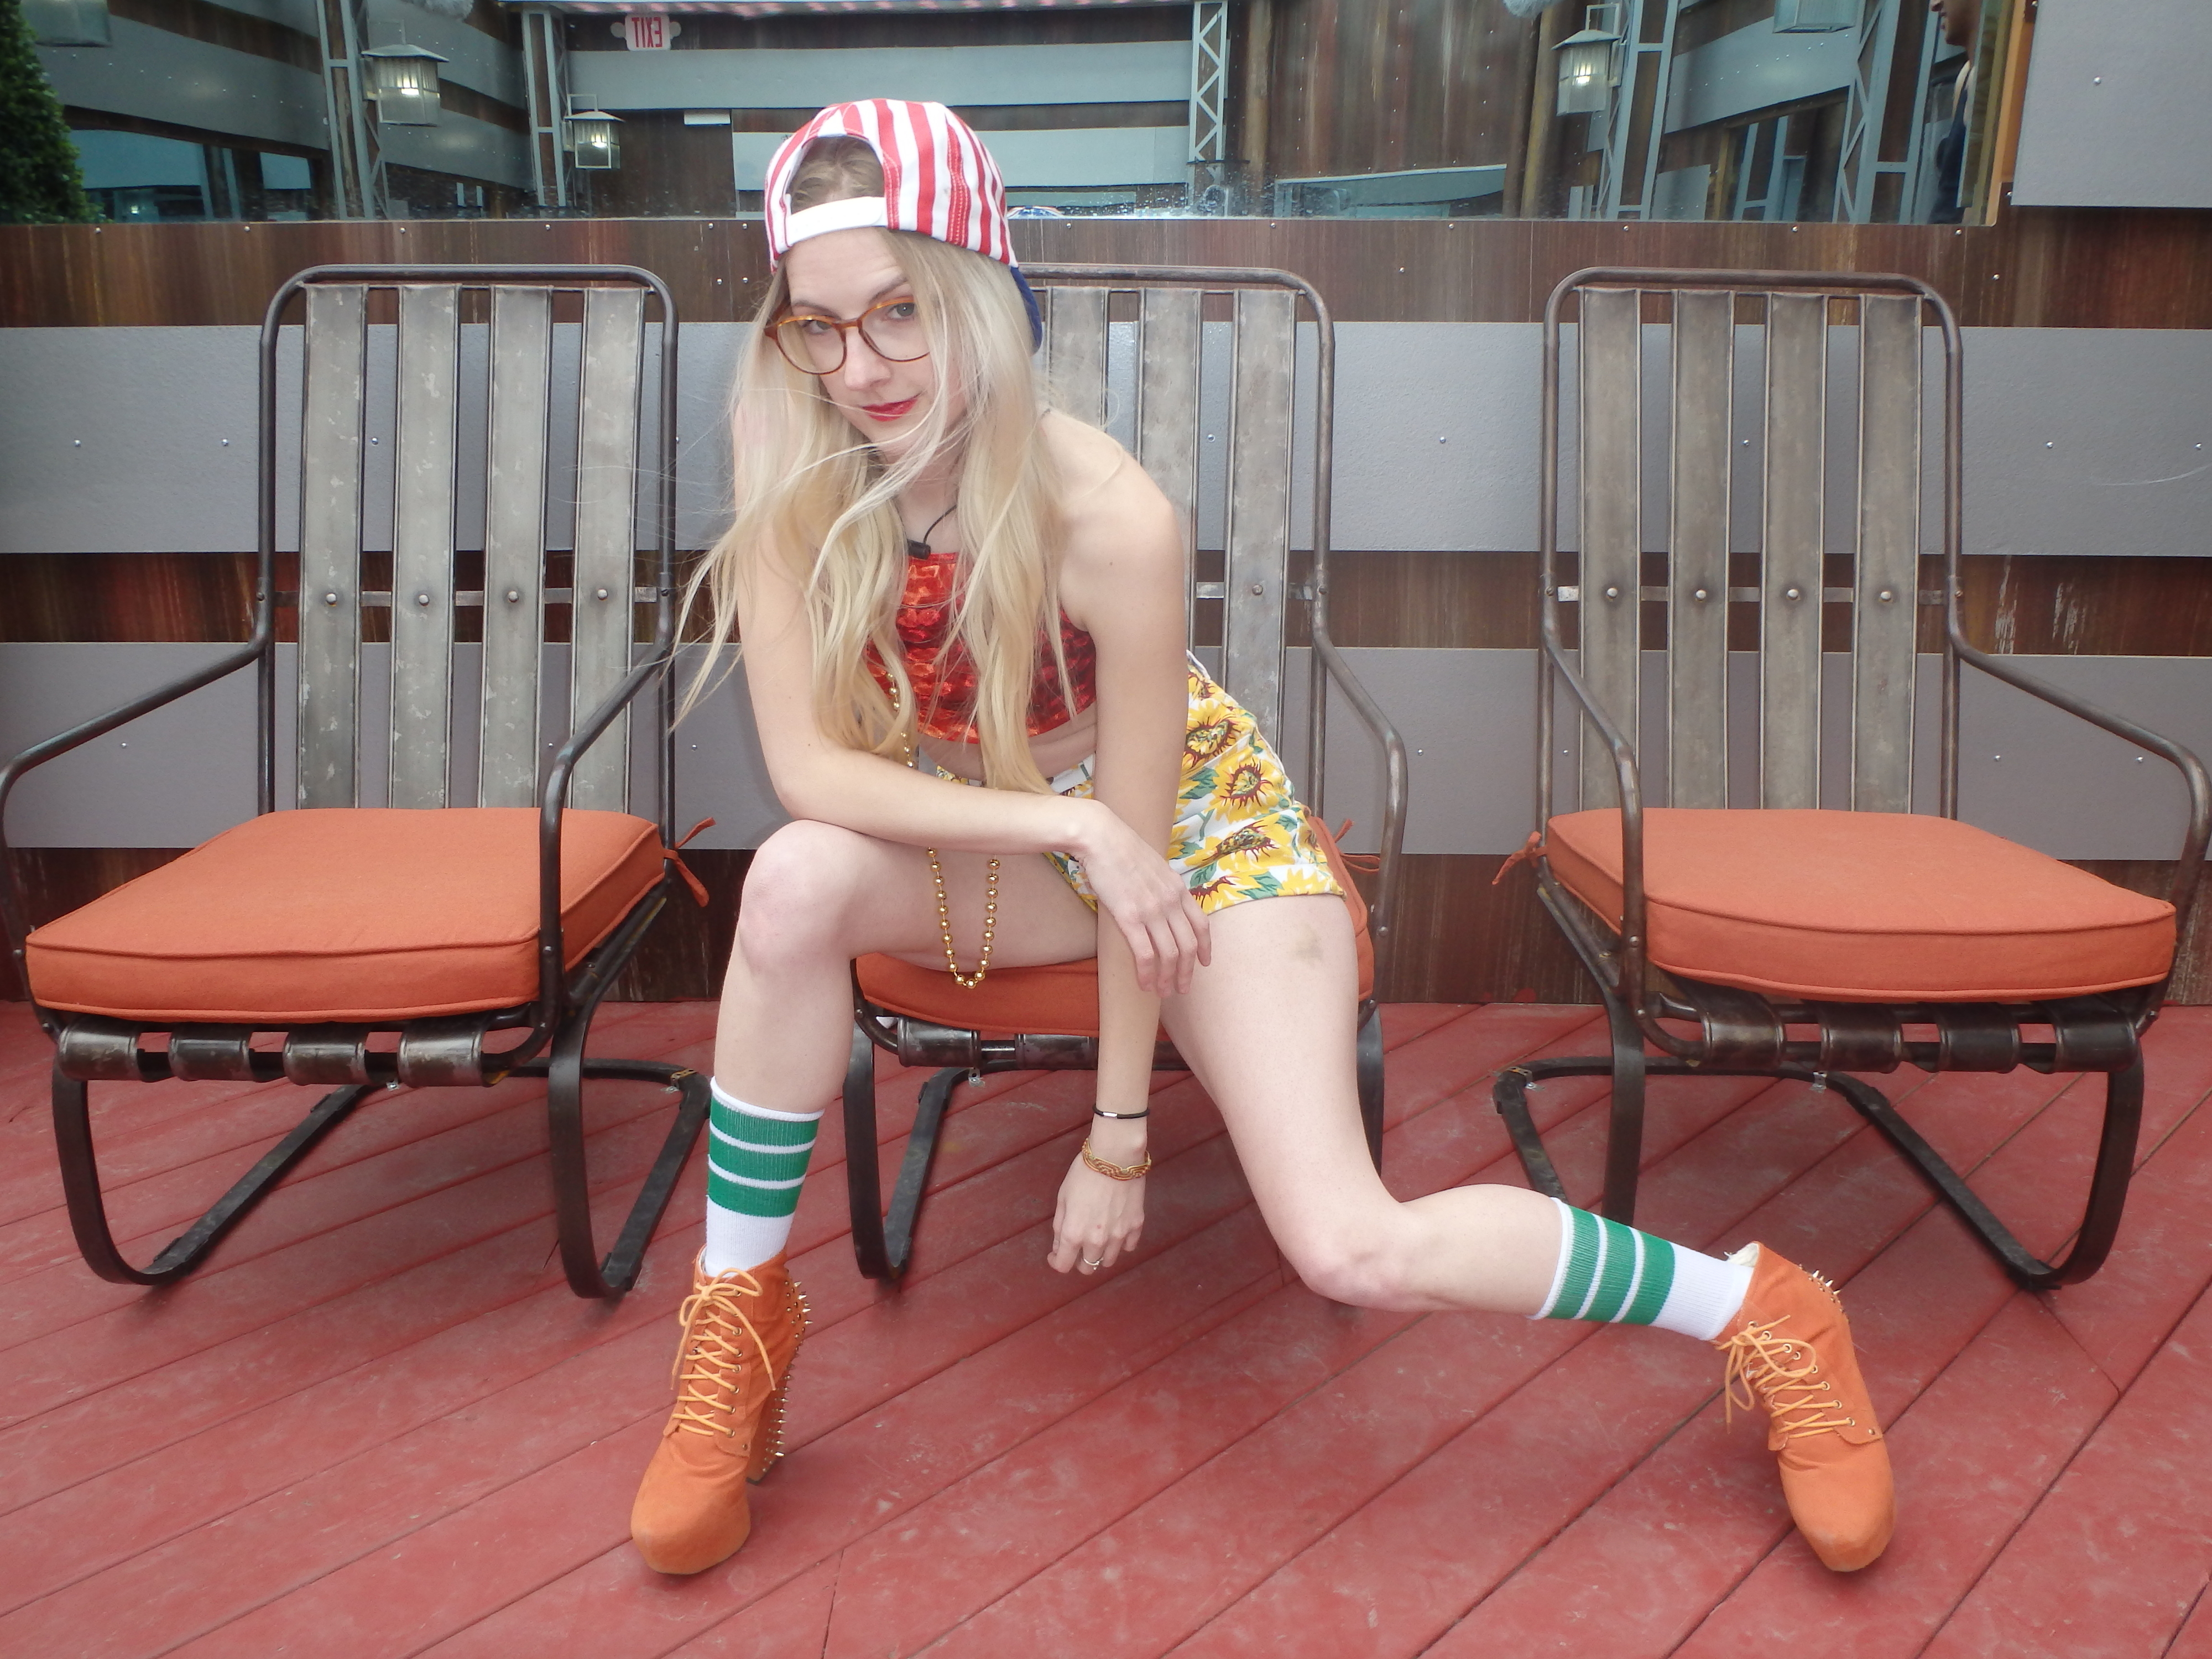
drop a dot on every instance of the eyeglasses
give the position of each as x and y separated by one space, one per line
815 344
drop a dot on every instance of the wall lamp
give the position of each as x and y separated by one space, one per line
592 140
403 81
1588 73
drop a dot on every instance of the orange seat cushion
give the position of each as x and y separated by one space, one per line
1059 999
344 913
1866 907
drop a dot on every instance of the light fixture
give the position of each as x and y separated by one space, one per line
592 140
67 22
403 81
1587 72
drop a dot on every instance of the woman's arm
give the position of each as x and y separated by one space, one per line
1122 581
815 778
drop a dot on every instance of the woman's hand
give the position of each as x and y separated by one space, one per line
1097 1219
1149 901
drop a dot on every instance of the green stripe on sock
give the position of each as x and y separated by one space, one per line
749 1199
1658 1278
768 1131
1617 1278
759 1166
1582 1266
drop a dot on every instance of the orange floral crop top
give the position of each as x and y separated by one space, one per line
943 675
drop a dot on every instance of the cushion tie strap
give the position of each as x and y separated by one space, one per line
1527 850
675 856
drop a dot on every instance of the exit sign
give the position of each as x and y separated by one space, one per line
648 32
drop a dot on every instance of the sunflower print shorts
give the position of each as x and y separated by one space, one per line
1238 833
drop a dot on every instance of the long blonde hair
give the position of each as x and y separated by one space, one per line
811 492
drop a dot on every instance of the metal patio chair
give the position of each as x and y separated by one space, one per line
1731 922
1160 344
466 930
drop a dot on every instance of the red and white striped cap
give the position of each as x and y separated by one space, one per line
938 181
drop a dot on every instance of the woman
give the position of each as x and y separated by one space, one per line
940 585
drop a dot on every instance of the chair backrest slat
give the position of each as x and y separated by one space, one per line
1698 547
1168 347
1257 532
1790 587
514 545
422 546
603 623
1609 350
1075 352
336 349
1884 628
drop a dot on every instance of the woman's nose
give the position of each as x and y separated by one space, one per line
862 368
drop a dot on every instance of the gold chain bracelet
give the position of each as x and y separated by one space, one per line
966 981
1114 1172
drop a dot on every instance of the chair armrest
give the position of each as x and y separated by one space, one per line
1382 909
2191 866
552 966
15 912
1634 930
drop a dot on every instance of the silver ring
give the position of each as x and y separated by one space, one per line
1088 1263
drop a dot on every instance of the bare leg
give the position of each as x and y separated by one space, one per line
816 897
1268 1029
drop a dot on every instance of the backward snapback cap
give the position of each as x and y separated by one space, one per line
939 182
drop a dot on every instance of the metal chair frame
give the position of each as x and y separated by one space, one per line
1740 1033
1254 594
608 676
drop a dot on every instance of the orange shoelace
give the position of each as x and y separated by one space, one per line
707 1381
1800 1401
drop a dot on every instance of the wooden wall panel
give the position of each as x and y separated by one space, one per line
1377 86
2042 267
1463 938
2033 605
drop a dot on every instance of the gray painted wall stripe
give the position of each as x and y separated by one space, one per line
2116 114
2079 440
1139 71
2029 772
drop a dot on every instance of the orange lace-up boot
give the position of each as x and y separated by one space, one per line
1789 1353
741 1333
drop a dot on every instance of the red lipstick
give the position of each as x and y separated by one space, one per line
890 411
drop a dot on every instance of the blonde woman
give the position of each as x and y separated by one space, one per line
938 585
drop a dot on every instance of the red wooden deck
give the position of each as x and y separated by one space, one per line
377 1423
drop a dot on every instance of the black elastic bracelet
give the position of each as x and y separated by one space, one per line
1120 1117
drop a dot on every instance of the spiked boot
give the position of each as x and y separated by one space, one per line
741 1333
1788 1353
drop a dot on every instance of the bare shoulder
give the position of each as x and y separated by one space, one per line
1118 525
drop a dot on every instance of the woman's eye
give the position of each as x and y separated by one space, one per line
902 311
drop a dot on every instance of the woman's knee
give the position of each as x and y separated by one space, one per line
1362 1264
797 891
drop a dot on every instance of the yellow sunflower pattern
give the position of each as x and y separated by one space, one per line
1239 834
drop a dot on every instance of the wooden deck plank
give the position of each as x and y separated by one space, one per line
1142 1437
1915 1309
439 1448
2113 1559
1967 1469
1153 1577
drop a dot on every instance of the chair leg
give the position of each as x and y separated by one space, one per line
2108 1183
882 1244
1624 1135
565 1071
88 1211
1368 1056
1627 1066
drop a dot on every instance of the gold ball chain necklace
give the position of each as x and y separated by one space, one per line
966 981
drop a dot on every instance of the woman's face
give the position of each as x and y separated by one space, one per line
840 275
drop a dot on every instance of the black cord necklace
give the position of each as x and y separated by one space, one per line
919 550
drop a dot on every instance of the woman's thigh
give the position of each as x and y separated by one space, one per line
813 883
1269 1028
